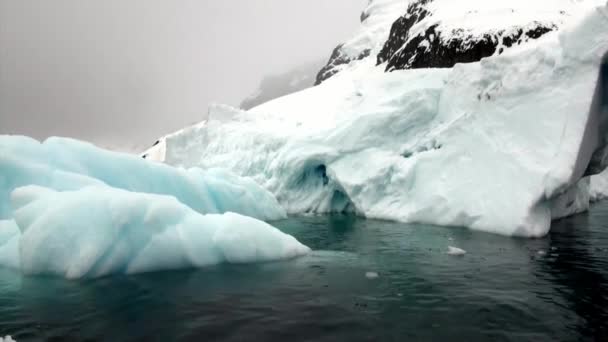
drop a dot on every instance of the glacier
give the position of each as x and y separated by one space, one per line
502 145
99 230
71 209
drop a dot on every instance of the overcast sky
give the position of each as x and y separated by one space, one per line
121 73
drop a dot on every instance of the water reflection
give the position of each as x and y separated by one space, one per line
578 270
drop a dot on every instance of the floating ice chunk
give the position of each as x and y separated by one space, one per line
100 230
67 164
371 275
541 252
7 338
456 251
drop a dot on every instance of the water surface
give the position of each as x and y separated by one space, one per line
503 289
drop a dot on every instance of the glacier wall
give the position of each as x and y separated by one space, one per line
496 145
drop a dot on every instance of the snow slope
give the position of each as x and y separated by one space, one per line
97 231
376 21
492 145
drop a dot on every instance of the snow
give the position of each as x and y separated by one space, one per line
455 251
67 164
467 20
471 19
374 30
493 145
99 230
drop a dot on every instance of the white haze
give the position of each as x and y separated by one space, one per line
121 73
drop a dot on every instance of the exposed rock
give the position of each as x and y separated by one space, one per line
376 21
434 48
338 58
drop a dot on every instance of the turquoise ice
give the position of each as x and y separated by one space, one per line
71 209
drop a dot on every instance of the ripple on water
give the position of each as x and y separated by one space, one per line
365 280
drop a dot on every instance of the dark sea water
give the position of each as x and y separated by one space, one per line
503 289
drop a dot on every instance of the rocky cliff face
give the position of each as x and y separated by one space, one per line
433 47
337 59
376 21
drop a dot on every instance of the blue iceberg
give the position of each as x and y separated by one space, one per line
96 231
67 164
71 209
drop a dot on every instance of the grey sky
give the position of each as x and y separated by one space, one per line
121 73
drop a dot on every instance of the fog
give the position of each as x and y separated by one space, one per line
121 73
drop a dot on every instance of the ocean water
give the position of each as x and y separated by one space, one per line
366 281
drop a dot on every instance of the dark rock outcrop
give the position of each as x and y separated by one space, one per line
400 30
431 49
336 59
435 46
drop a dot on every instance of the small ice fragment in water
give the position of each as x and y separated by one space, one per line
371 275
6 338
541 252
451 239
456 251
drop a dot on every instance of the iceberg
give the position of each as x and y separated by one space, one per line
67 164
99 230
71 209
501 145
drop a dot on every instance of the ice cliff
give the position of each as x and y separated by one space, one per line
500 144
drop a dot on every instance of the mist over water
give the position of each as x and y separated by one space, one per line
123 73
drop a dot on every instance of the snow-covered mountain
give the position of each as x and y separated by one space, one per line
440 33
274 86
502 144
